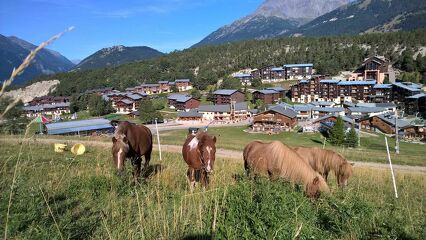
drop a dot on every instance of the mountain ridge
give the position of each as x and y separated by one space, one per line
117 55
13 51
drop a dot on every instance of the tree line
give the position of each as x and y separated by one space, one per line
205 65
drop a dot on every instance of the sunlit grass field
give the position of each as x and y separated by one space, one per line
57 195
373 148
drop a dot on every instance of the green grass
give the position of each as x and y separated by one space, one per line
87 200
372 148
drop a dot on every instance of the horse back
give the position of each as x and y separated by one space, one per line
140 139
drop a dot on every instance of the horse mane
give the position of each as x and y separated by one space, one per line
292 165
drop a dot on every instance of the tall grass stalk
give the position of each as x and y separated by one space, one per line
51 213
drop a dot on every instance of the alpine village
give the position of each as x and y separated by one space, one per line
302 119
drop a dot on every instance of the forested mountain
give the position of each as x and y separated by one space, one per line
116 55
368 16
14 50
273 18
205 65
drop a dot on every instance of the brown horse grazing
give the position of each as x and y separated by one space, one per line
276 159
131 141
324 160
199 152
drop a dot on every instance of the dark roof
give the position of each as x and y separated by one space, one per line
329 81
302 107
182 80
390 119
46 106
328 109
298 65
241 106
150 85
344 118
349 83
408 86
190 113
265 91
278 89
126 101
283 111
382 86
225 91
162 82
417 96
367 109
322 103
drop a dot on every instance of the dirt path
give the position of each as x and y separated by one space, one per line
221 153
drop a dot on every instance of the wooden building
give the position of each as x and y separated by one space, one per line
385 123
298 71
377 68
381 93
277 118
48 100
402 90
191 115
226 96
183 84
267 96
416 105
182 102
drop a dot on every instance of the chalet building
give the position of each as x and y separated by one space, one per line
402 90
164 86
304 112
46 100
298 71
326 122
125 106
244 78
416 104
277 74
382 93
377 68
225 112
318 112
355 90
226 96
98 91
275 119
318 89
191 115
183 84
263 73
267 96
390 107
359 112
150 88
182 102
323 104
385 123
415 132
55 110
281 90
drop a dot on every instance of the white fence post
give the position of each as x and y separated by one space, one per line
158 139
390 163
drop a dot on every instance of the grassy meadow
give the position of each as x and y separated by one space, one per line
59 196
373 148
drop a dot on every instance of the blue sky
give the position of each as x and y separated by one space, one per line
162 24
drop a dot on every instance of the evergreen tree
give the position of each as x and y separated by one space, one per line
98 106
195 93
174 89
14 121
230 83
256 82
352 138
210 96
337 133
260 105
74 106
148 113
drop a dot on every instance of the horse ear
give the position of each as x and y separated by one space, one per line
316 181
114 139
214 139
125 140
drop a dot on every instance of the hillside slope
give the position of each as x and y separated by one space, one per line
368 16
13 51
117 55
272 18
205 65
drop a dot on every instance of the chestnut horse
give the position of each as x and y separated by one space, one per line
199 152
131 141
275 159
324 160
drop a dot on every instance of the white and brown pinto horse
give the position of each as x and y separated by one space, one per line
199 152
325 160
277 160
131 141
